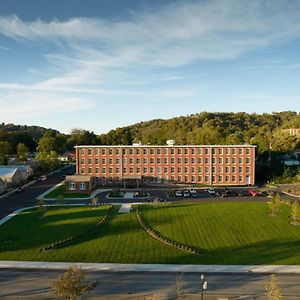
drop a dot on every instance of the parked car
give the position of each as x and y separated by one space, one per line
193 191
212 191
186 194
42 178
253 193
178 194
19 189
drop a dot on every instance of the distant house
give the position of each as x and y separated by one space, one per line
79 184
2 186
26 170
11 176
291 162
293 131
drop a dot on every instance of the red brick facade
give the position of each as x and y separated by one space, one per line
205 164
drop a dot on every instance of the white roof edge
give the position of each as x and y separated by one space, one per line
169 146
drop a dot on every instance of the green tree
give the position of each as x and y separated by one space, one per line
70 284
5 149
274 205
295 214
273 290
22 152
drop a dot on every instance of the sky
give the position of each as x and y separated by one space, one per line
103 64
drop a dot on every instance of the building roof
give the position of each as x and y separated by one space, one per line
22 168
7 171
78 178
161 146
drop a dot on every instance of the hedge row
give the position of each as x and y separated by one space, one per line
63 242
167 241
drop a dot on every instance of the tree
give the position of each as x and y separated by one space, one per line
94 201
273 290
69 285
61 199
5 149
22 151
295 215
41 205
274 205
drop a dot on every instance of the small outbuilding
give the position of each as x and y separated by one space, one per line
79 184
26 170
11 176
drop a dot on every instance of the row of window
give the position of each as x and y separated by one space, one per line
158 160
181 179
159 170
72 186
158 151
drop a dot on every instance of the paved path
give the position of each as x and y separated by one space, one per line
173 268
125 208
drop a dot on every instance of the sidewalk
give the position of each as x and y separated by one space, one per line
111 267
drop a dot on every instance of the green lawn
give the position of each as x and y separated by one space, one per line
232 233
61 190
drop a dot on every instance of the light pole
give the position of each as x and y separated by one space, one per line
203 285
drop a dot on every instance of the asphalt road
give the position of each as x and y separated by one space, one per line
36 284
28 196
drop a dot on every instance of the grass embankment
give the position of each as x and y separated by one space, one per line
61 190
232 233
119 240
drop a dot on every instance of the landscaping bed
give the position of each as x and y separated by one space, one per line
61 191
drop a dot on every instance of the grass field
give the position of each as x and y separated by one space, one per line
61 190
232 233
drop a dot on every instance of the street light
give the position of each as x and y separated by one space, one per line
203 285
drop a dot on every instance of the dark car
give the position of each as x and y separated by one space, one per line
19 189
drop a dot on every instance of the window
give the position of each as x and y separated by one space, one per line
206 169
172 151
193 151
213 160
165 170
213 178
152 160
131 151
227 169
214 169
213 150
124 151
159 170
166 160
220 151
90 170
193 170
138 170
117 170
233 178
199 169
220 169
151 151
186 160
199 160
131 161
220 160
240 178
158 151
193 160
103 170
179 169
227 160
110 161
179 160
103 151
248 151
138 161
82 161
233 169
186 170
227 151
186 151
117 161
145 170
172 160
138 151
199 150
82 186
248 160
220 178
200 178
186 179
89 151
241 169
240 160
179 150
247 169
172 170
82 171
117 151
241 150
103 161
206 150
144 151
151 170
89 161
179 179
131 170
96 161
110 152
96 170
234 151
227 178
110 170
158 160
206 178
206 160
234 160
145 160
82 151
72 186
166 151
124 170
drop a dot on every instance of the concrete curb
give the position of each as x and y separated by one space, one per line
41 196
113 267
291 195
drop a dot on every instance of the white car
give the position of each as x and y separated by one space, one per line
186 194
193 191
42 178
178 194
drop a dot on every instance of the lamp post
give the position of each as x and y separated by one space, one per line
203 285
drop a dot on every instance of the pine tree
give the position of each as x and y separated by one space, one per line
295 214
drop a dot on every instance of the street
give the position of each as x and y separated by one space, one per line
36 284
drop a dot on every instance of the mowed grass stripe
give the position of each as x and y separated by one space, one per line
232 233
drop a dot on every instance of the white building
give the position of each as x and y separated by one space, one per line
11 176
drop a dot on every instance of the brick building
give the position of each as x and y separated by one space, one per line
218 165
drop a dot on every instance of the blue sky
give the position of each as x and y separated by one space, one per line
99 65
